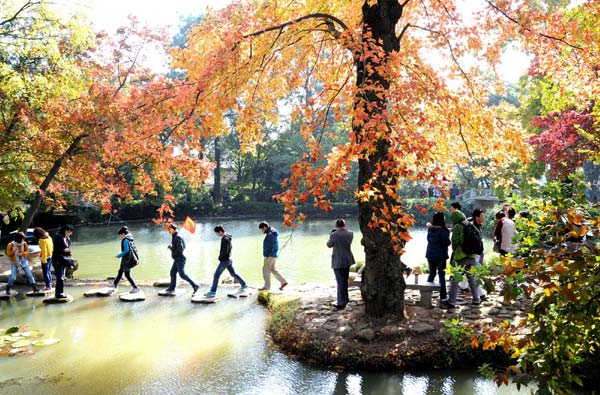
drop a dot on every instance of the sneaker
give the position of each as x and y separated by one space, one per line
46 289
35 288
134 290
243 288
282 286
170 291
263 289
210 294
483 298
196 288
7 290
475 303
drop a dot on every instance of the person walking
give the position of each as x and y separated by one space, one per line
62 258
46 248
177 246
129 258
340 239
225 262
508 232
17 252
438 240
459 222
270 251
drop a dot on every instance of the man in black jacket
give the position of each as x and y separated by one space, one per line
177 246
61 258
225 262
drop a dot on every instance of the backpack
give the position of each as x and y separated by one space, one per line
472 243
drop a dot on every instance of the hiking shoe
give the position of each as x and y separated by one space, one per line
243 288
196 288
134 290
282 286
210 294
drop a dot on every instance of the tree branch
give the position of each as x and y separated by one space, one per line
494 6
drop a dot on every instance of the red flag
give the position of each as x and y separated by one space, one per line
189 224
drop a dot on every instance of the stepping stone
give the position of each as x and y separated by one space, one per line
162 283
205 300
240 294
6 296
132 297
102 292
40 293
54 300
178 292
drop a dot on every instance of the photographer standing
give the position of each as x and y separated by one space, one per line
341 260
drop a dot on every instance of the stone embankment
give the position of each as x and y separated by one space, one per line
304 324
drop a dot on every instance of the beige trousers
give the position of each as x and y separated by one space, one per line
268 268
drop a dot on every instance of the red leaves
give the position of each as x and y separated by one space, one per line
560 144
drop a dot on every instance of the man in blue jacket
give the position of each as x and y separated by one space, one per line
270 250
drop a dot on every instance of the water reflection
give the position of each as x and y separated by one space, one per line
171 346
426 383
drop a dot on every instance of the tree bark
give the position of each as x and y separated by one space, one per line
37 200
382 284
217 197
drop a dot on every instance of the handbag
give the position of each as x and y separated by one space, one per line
68 261
132 259
496 247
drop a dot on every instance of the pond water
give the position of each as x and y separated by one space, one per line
171 346
304 256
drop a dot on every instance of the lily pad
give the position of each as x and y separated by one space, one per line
31 334
45 342
21 343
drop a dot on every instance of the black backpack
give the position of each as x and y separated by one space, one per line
472 243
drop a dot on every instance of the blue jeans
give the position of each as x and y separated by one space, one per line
341 278
438 267
467 263
179 267
46 270
220 269
22 262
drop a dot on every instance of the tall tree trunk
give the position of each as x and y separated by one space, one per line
217 197
37 200
383 285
